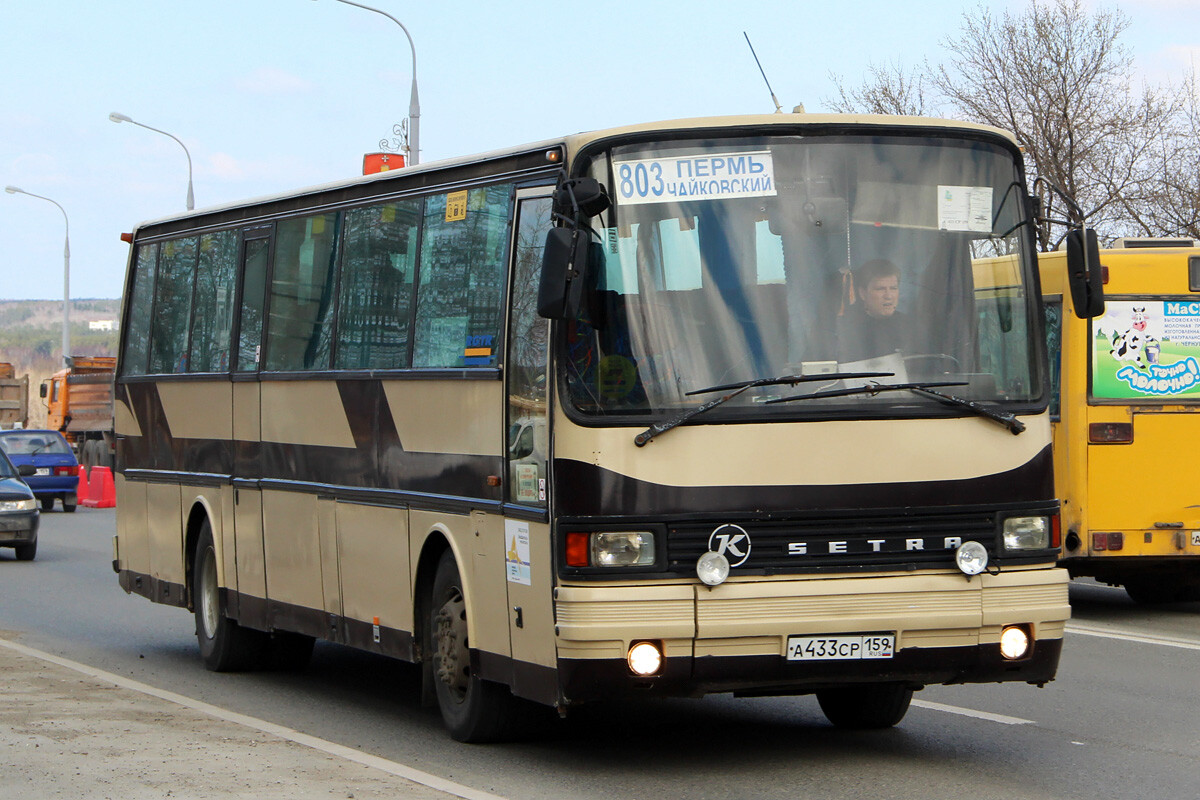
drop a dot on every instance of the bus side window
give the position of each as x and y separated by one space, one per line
212 322
141 306
299 326
461 280
1054 349
173 305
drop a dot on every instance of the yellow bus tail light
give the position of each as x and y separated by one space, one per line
1111 541
1110 433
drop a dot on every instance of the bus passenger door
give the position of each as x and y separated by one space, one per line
528 556
249 602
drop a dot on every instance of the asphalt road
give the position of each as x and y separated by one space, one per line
1121 721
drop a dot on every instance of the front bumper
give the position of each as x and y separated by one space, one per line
733 638
18 527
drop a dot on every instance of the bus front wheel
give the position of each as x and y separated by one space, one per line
224 645
871 706
474 710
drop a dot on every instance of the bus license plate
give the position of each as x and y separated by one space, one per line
841 648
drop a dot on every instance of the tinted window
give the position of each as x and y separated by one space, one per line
301 305
462 270
254 290
216 282
139 312
375 306
173 306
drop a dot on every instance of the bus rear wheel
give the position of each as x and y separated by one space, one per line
866 707
224 645
474 710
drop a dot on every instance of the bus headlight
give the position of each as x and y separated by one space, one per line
712 568
644 659
1014 642
1026 533
622 549
971 558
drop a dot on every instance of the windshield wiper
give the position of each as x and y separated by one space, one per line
735 389
1009 421
1006 419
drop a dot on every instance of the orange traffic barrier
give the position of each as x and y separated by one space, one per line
101 491
82 492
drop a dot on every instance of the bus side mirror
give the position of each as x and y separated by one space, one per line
1084 274
564 273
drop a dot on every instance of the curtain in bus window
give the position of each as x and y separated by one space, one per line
173 306
137 334
212 320
376 296
461 282
300 310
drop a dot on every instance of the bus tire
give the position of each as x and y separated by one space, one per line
225 646
866 707
473 710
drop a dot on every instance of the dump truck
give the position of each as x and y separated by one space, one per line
14 397
79 405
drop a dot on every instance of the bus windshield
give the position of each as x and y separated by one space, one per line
744 259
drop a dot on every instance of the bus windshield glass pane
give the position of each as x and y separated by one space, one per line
744 259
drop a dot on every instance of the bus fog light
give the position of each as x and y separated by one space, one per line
1014 642
971 558
644 659
1026 533
623 549
712 568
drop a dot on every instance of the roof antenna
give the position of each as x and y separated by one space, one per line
778 109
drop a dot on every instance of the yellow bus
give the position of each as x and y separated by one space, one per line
1127 386
600 417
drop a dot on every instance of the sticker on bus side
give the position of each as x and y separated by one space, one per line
1143 349
711 176
516 552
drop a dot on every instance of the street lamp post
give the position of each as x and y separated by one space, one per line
414 105
66 323
115 117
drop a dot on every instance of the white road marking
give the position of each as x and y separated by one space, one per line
968 712
330 748
1109 633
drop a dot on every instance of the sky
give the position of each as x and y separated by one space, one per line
269 96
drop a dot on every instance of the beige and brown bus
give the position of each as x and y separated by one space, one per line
711 405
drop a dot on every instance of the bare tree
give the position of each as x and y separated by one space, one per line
888 89
1169 204
1057 77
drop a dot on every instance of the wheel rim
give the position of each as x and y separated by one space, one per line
209 609
453 668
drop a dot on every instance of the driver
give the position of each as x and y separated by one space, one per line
873 326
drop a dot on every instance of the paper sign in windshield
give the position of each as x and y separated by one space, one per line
1144 349
712 176
965 208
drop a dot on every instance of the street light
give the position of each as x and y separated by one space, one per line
115 117
66 332
414 105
